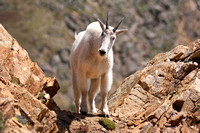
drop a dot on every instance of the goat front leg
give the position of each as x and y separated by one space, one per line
94 87
83 86
106 83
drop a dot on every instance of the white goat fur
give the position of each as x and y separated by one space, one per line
90 70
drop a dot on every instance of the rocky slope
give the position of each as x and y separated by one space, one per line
163 97
24 90
46 29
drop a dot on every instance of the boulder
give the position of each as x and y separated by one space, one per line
164 96
17 67
24 90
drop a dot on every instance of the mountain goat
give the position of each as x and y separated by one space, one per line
92 62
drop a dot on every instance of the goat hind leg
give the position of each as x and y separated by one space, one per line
77 101
76 93
83 86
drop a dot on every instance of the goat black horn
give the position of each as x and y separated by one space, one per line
107 24
118 25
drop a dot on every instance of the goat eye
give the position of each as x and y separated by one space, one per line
113 38
102 34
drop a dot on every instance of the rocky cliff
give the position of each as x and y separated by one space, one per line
163 97
25 92
45 28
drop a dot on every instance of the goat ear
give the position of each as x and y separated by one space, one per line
101 24
121 31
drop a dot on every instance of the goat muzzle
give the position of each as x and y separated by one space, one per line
102 52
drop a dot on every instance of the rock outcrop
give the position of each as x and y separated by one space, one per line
164 96
24 90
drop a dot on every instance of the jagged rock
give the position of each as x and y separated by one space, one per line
21 81
17 67
165 95
51 86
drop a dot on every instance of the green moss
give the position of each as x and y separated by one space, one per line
107 123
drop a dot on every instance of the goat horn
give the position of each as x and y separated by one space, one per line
101 24
118 25
107 24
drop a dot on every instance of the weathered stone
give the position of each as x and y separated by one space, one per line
162 122
20 81
147 82
51 86
130 123
176 119
124 89
143 127
36 112
166 93
155 129
162 109
197 115
17 67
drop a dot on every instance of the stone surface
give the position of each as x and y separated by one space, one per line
165 95
21 81
17 67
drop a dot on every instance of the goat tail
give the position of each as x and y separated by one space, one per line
75 35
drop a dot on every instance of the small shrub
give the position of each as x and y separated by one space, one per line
107 123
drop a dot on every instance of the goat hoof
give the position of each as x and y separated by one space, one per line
106 115
83 113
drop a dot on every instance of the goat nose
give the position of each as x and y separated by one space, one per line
102 52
